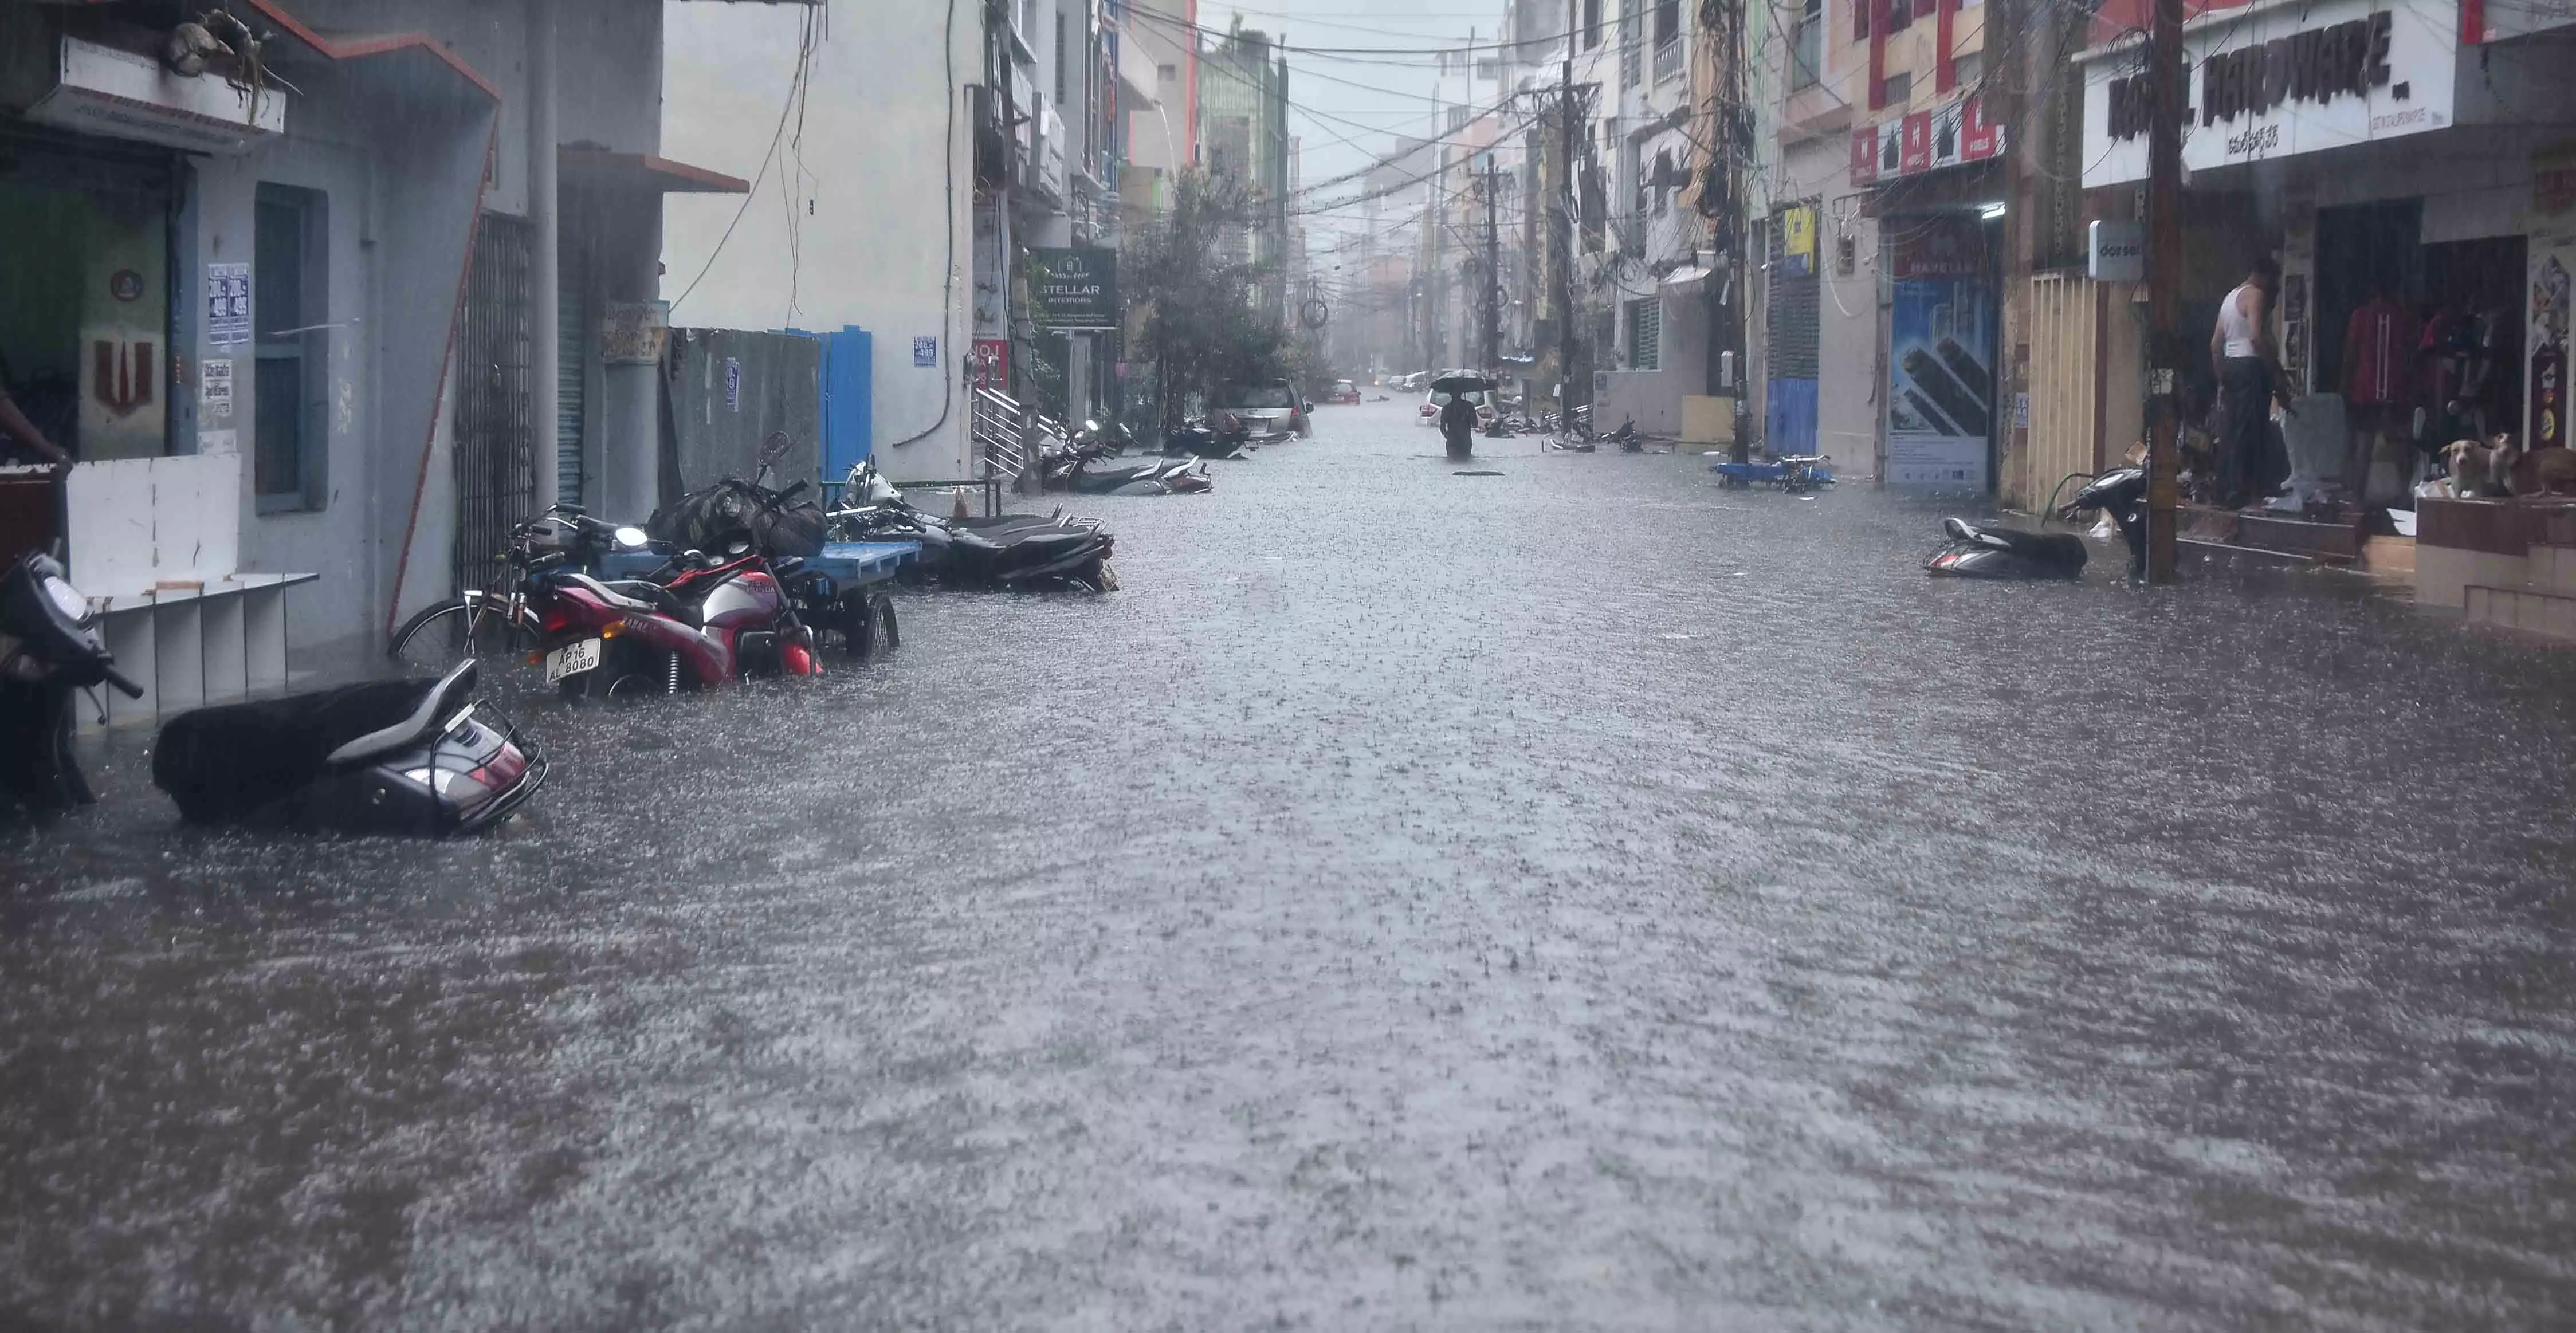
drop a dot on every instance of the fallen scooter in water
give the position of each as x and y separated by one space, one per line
1973 551
400 757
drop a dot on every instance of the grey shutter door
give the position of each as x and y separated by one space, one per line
572 372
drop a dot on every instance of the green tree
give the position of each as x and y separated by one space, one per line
1191 269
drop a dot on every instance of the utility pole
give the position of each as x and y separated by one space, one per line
1563 239
1493 277
1727 141
2164 287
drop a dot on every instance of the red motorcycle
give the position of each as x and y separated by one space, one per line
704 623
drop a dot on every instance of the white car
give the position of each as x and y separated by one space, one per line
1270 410
1433 401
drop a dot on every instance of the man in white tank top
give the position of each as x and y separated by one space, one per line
2250 380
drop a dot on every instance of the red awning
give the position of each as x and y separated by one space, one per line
642 172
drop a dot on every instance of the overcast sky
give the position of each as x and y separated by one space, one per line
1346 105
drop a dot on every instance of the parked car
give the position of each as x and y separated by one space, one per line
1343 392
1270 410
1433 401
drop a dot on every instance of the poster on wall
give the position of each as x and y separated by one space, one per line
1940 335
2551 254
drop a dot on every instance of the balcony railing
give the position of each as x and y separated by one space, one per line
1668 60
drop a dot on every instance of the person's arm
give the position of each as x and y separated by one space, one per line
18 426
2218 348
2268 348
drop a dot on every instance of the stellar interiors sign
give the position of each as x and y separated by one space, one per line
2270 81
1074 288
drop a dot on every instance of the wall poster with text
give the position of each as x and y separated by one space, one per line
1940 336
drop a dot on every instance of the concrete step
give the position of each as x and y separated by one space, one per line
2553 569
2553 614
2275 534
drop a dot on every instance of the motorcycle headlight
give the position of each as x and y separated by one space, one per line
632 539
66 599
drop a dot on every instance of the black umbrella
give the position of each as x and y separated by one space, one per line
1461 384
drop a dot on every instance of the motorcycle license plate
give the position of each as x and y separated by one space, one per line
572 659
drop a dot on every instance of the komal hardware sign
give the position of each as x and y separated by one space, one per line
1074 287
2273 82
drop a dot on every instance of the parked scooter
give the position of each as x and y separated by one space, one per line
1227 438
49 650
385 757
1002 551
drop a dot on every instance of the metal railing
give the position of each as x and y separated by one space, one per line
1668 59
995 428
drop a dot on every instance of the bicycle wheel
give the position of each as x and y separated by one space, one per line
448 632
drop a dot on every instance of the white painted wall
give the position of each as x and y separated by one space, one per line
869 225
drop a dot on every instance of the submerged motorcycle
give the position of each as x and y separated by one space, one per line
1001 551
1974 551
398 757
1225 438
705 623
1072 467
49 651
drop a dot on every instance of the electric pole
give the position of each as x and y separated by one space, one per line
1567 389
1493 278
2164 287
1725 176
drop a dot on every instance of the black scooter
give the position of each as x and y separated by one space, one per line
1001 551
1971 551
49 650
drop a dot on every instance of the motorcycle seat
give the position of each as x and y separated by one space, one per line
227 761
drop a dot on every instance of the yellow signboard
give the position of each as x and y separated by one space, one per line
1798 234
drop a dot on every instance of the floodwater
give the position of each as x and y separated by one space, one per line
1575 898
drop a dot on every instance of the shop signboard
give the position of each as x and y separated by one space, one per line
2273 80
2551 253
1073 288
119 94
1941 389
1947 136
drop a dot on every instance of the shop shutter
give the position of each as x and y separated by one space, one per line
571 372
1790 328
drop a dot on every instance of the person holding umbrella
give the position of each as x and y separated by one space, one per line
1458 415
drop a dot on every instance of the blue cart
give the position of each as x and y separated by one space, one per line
841 594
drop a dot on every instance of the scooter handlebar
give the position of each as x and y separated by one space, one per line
124 685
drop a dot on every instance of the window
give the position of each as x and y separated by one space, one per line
1641 187
1807 47
1900 13
1591 24
1487 67
1668 21
1646 334
290 294
1061 56
1631 58
1167 74
1665 179
1896 89
1860 17
1457 119
1969 69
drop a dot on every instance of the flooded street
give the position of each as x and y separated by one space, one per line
1574 898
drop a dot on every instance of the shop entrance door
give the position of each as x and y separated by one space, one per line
2359 247
495 425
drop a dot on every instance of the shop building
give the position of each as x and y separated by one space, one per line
1880 251
319 324
2423 154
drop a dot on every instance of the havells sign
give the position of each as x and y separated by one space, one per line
2272 80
